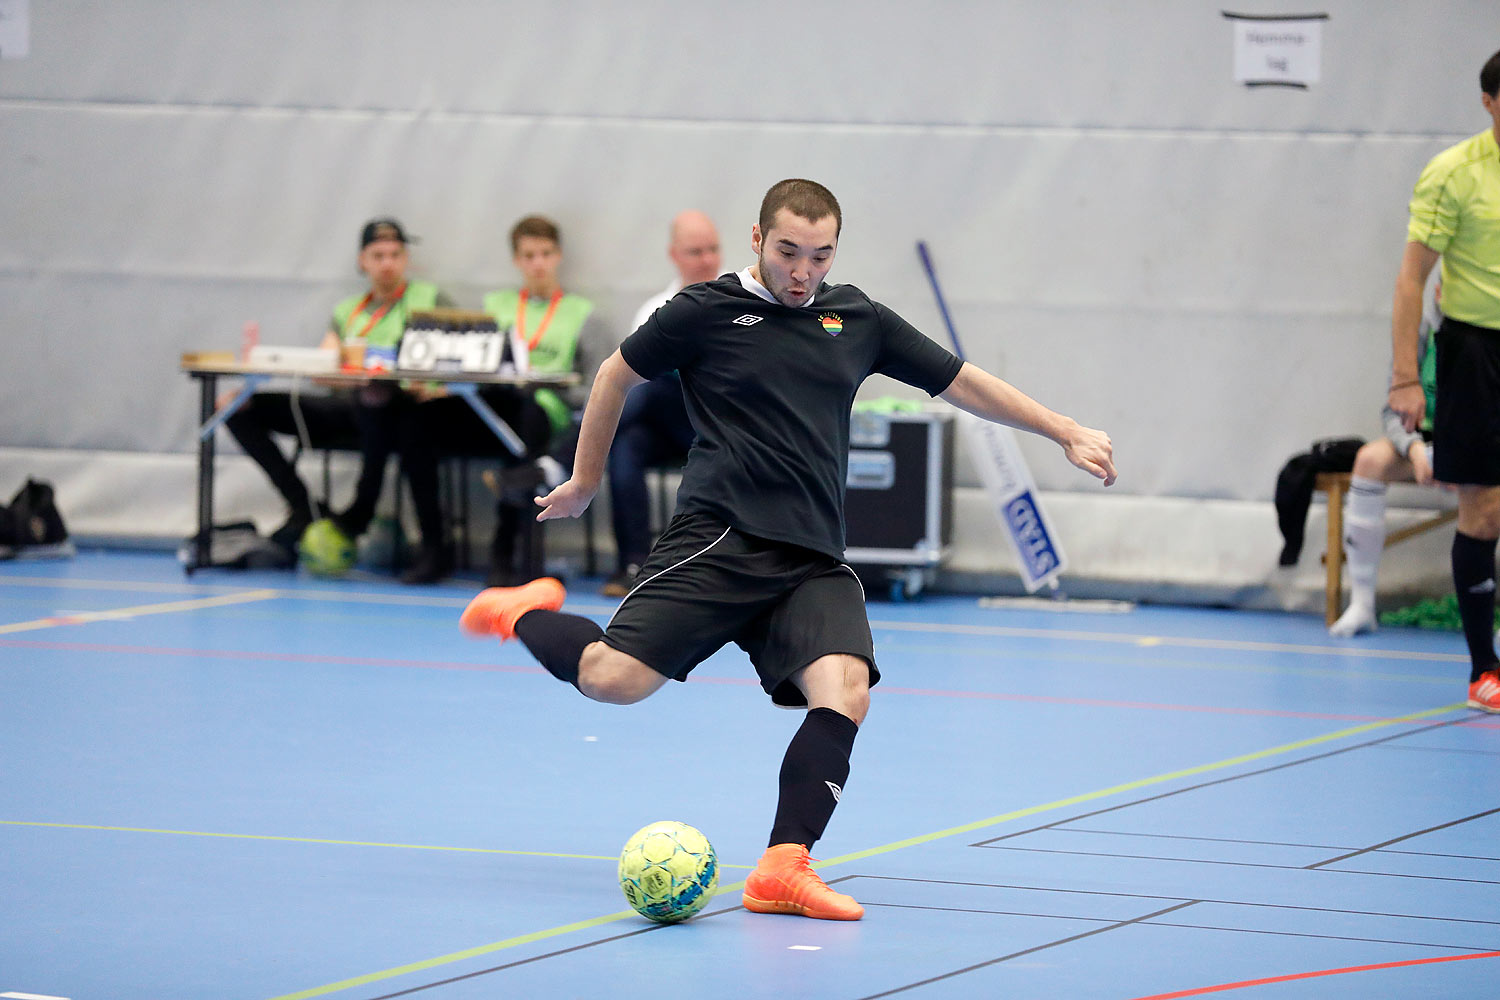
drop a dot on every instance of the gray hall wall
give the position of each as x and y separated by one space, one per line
1202 269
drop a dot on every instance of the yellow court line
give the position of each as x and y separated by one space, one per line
116 614
308 840
494 946
321 840
1131 786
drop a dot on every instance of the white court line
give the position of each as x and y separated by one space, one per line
136 586
1125 638
30 996
121 614
1190 642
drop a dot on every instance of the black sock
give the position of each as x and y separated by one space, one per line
813 773
1474 581
557 640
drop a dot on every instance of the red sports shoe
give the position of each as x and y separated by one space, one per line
784 882
496 610
1484 694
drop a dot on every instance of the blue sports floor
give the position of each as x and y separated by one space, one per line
245 786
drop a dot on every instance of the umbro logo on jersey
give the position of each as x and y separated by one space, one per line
749 319
835 789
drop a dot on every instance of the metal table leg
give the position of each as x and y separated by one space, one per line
207 386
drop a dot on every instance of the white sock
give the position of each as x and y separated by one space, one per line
1364 540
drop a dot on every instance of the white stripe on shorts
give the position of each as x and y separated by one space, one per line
669 569
857 580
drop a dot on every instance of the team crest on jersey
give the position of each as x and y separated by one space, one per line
833 323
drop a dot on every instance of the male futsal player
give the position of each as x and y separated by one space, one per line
1455 214
770 359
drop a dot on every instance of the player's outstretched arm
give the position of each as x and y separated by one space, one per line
601 415
984 395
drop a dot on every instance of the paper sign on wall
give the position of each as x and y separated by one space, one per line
15 28
1277 50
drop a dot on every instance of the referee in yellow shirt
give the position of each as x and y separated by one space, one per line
1455 216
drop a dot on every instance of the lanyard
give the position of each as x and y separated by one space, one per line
377 315
535 338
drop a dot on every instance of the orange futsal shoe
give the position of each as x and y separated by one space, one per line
1484 694
497 609
784 882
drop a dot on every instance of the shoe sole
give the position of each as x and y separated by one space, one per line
755 905
1492 709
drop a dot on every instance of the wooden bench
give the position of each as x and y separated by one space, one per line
1336 484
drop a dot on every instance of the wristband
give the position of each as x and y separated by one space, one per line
1403 385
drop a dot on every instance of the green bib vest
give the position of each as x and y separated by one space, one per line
1428 375
420 295
556 351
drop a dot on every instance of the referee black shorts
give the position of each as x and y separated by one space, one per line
706 584
1466 418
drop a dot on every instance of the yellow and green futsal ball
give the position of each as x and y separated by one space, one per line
325 550
668 871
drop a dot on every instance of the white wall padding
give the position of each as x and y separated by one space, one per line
1201 268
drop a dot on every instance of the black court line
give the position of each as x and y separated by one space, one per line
1221 781
1031 951
1409 836
1439 854
1150 920
1023 888
565 951
535 958
983 912
1415 878
701 916
1317 937
1268 843
1155 857
1246 864
1159 898
1482 753
991 913
1164 923
1207 840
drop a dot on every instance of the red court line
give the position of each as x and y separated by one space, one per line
240 654
1146 705
1314 975
370 661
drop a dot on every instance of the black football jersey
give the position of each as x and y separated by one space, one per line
769 389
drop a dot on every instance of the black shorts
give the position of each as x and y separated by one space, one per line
1466 419
706 584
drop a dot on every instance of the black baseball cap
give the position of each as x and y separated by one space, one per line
383 229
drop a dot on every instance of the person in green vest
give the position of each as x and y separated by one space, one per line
1454 217
370 324
548 330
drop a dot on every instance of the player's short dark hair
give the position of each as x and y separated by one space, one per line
534 225
1489 77
806 199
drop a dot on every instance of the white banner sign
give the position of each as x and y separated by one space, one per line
15 29
1286 52
1007 479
